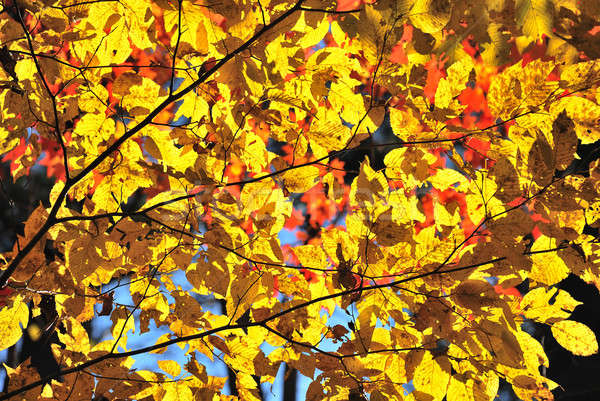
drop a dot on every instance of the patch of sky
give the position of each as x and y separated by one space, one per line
493 280
442 345
214 366
503 131
423 189
340 316
459 148
321 44
408 387
38 168
384 133
30 131
276 146
408 312
272 391
302 383
528 326
3 357
386 325
267 348
149 361
176 83
182 120
477 114
450 164
101 328
288 237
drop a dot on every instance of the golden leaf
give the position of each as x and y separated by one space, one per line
565 140
172 368
520 88
13 319
301 179
430 16
575 337
548 268
584 113
535 17
548 305
432 376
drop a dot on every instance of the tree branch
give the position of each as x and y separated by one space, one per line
261 323
7 273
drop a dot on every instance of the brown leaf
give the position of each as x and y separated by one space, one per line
475 294
541 162
107 304
565 140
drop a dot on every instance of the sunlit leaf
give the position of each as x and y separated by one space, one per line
575 337
13 319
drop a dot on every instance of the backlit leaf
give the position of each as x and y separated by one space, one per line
432 376
548 268
575 337
13 319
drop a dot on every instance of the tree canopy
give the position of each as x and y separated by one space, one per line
429 159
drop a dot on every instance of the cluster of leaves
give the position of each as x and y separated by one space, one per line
186 135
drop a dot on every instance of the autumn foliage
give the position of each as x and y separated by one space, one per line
190 140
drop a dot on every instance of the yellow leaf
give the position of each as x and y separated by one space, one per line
547 267
580 75
575 337
334 237
411 165
481 198
500 341
443 94
12 321
25 69
445 178
142 98
535 17
47 392
301 179
548 305
177 391
497 51
311 256
75 338
404 123
519 88
430 15
122 323
369 186
474 294
327 132
507 180
457 389
388 232
311 36
533 352
453 84
541 161
255 194
254 152
584 113
196 31
432 376
210 276
172 368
